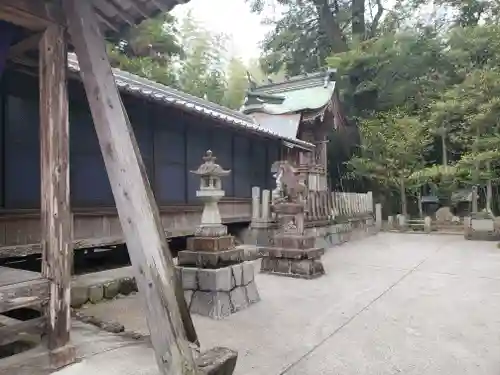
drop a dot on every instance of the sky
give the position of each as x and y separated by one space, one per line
232 17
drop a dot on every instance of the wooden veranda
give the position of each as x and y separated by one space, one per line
49 29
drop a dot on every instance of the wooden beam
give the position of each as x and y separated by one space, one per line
13 332
118 10
24 294
24 45
55 205
33 15
137 209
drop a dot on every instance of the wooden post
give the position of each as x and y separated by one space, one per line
137 209
55 204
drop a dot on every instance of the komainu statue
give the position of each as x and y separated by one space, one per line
290 186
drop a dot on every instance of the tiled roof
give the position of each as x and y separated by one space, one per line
168 96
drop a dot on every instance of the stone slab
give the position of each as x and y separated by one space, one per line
297 268
291 241
279 252
208 244
210 259
482 225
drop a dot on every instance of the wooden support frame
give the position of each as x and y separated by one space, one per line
55 204
137 209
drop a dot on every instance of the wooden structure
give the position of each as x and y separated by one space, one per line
169 149
306 107
35 44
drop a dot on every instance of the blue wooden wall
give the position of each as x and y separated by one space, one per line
172 143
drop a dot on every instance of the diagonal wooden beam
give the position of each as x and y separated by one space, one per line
135 203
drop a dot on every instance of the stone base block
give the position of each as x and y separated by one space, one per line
218 293
299 268
217 361
210 259
210 243
291 241
281 252
210 231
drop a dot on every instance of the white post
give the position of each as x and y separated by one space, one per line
427 224
378 216
390 222
255 203
266 201
370 201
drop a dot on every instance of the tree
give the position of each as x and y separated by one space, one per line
393 149
237 84
202 71
310 30
149 50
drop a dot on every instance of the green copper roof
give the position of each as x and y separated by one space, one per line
297 94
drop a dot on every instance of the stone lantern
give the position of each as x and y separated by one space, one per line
210 192
216 279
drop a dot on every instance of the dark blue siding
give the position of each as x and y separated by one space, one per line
242 167
22 153
198 142
171 142
222 147
170 157
88 178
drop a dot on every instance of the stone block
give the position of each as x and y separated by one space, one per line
215 305
220 279
211 259
128 286
238 298
294 241
248 272
189 277
302 267
96 293
217 361
111 289
210 243
237 271
283 265
79 295
210 231
252 292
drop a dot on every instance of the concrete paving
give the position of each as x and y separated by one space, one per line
389 304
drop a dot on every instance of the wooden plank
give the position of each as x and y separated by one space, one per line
23 294
12 276
137 209
13 332
55 204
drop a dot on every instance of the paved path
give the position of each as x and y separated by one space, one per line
389 304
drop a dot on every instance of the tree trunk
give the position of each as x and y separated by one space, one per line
489 189
444 148
420 207
402 191
358 19
330 26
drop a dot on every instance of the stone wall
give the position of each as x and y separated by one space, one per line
327 235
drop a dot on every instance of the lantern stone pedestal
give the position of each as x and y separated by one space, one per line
293 253
216 280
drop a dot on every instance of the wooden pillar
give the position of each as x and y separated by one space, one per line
139 217
55 204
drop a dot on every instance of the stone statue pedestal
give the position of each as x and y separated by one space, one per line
293 253
216 280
